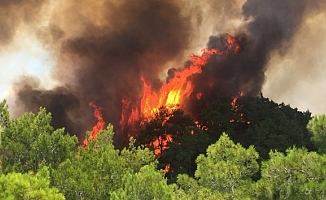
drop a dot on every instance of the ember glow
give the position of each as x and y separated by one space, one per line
236 107
160 144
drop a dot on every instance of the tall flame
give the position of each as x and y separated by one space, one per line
172 93
98 126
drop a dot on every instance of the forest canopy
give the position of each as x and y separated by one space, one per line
257 149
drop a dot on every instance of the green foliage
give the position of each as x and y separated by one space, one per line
148 183
227 168
317 127
298 175
215 117
254 121
30 141
98 169
183 151
191 190
272 126
28 186
156 130
4 121
187 143
4 114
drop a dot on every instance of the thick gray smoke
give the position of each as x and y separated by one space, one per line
135 38
272 26
104 48
13 13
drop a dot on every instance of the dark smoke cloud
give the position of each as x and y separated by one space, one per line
13 13
272 26
60 101
134 39
103 51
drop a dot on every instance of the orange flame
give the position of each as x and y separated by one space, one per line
172 93
232 42
236 108
160 144
99 125
234 102
167 168
178 88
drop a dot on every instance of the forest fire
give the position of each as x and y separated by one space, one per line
175 90
171 94
98 126
115 58
237 110
160 144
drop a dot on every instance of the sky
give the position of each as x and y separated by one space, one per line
298 77
295 77
24 57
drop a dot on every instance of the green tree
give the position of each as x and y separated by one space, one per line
191 190
182 152
4 121
28 186
188 141
227 168
317 127
30 140
256 121
215 117
98 169
148 183
272 126
297 175
4 114
156 130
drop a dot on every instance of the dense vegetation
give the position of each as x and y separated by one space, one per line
253 149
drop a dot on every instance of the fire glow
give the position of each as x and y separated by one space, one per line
98 126
237 110
179 87
171 95
173 92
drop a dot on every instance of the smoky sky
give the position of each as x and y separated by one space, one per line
272 27
103 49
14 13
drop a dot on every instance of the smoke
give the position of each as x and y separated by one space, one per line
104 60
298 76
15 13
102 49
270 28
60 101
